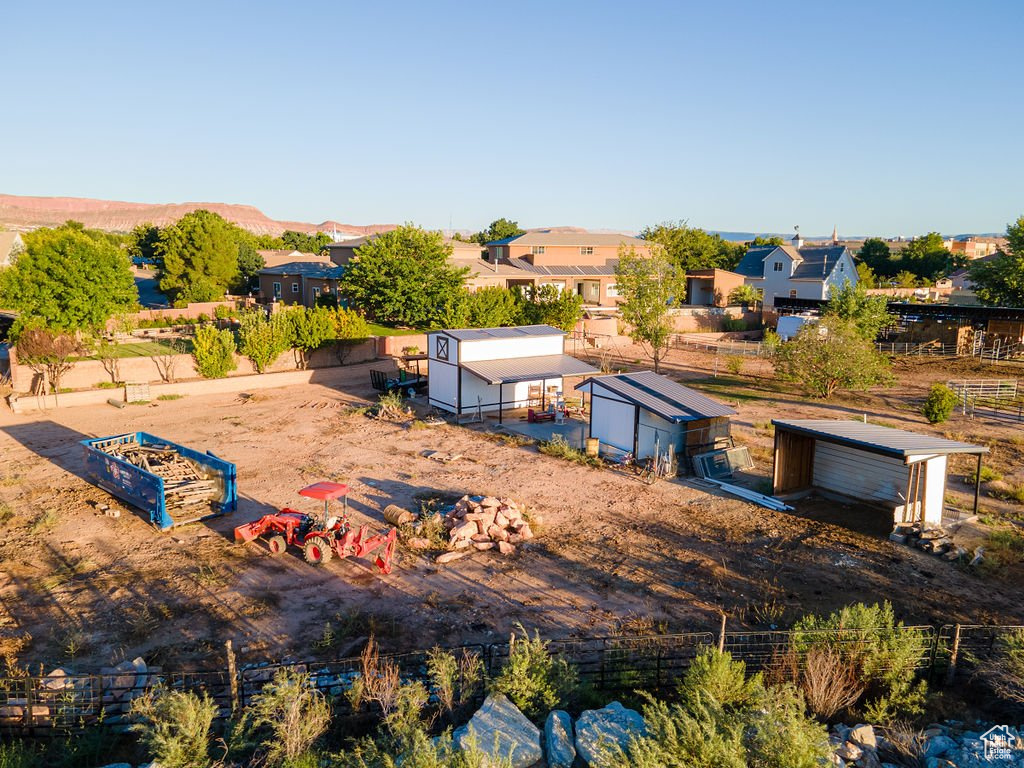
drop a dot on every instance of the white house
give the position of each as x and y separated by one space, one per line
494 369
795 272
645 412
902 472
11 245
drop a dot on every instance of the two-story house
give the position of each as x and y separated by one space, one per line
797 272
581 262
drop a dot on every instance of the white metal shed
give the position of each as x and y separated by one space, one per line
491 369
902 471
637 411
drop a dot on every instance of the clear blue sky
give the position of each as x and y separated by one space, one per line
882 117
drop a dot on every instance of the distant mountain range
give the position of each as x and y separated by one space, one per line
18 212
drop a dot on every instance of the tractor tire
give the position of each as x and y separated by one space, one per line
277 545
316 551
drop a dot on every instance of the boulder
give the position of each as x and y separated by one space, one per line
500 520
497 533
489 502
463 530
448 557
863 736
558 741
505 548
525 531
598 729
850 752
417 542
501 731
938 745
483 546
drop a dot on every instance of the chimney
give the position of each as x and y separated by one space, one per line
797 241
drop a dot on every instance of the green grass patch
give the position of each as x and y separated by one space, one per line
383 330
559 447
165 398
988 474
107 385
735 388
1003 547
145 349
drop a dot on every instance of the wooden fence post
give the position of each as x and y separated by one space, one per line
954 653
233 675
721 635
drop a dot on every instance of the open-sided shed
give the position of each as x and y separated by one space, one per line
636 412
902 471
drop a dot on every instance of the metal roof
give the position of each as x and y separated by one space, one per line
877 439
661 396
515 332
513 369
323 270
812 262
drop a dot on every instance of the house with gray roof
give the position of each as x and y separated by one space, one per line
299 282
797 272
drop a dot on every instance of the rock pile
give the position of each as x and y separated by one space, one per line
935 541
486 522
947 745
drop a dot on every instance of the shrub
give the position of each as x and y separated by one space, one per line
771 342
454 679
939 404
1002 671
214 352
715 676
988 474
734 324
261 339
559 447
781 735
734 364
830 683
532 679
176 727
883 653
285 720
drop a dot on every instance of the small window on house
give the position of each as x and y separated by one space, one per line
777 266
316 293
295 287
612 291
277 290
842 267
792 294
537 250
586 250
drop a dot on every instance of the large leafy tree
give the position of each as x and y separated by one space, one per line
1000 281
249 265
876 254
868 314
68 280
403 277
649 287
200 257
692 248
499 229
301 241
142 243
547 305
829 355
309 329
927 257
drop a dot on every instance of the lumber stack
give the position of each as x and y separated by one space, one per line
486 522
185 482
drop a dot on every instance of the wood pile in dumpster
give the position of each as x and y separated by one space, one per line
185 482
481 523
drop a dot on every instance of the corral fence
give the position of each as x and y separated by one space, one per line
989 398
612 665
719 346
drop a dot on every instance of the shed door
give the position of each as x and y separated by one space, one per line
859 474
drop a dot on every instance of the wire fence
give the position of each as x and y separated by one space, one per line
611 665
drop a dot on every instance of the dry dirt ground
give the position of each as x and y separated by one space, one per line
612 556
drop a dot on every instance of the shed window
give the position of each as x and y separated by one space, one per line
295 287
442 348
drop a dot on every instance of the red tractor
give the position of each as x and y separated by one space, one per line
320 536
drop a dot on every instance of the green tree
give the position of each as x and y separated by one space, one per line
142 243
1000 281
350 330
301 241
650 287
250 262
547 305
745 295
492 307
927 257
200 257
67 280
876 254
866 275
691 248
499 229
829 355
262 339
309 329
851 303
213 352
939 404
403 277
905 279
759 241
49 353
